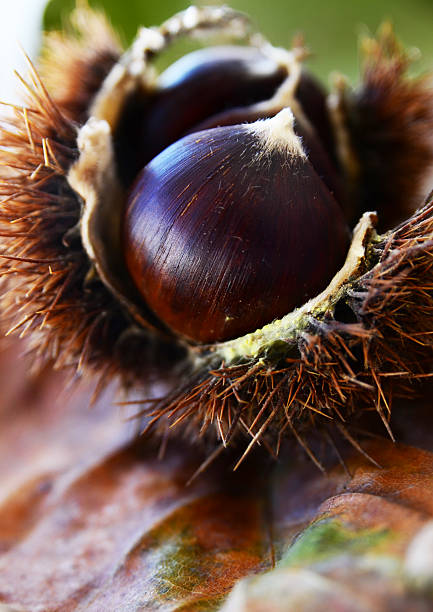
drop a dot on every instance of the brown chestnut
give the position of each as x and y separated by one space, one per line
230 228
207 82
197 86
212 87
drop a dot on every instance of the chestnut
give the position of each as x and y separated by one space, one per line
230 228
197 86
204 83
207 87
211 87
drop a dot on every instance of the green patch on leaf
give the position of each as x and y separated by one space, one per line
177 565
328 538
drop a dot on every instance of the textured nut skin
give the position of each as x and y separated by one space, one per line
223 236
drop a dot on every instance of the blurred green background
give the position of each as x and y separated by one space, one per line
331 28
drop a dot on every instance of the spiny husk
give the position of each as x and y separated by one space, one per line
371 345
374 345
74 64
389 152
50 293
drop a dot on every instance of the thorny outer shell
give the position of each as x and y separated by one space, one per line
359 349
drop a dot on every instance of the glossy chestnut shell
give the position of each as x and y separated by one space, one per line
230 228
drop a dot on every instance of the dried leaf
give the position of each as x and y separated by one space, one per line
91 519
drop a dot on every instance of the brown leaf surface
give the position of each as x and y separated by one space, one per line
92 519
